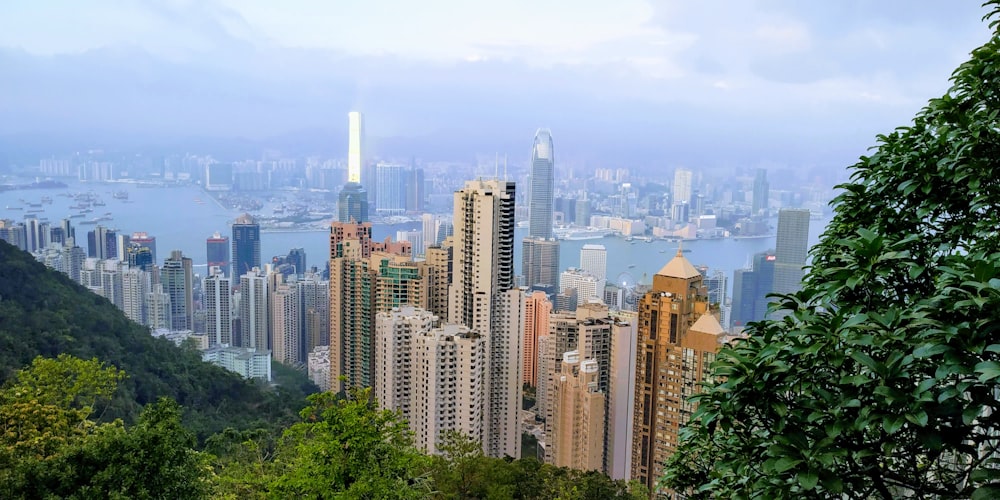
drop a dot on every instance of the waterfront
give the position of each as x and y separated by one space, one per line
182 217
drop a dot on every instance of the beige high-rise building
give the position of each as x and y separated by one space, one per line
677 341
285 329
437 266
537 308
577 436
587 331
482 297
435 377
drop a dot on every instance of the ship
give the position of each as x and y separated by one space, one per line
589 233
120 195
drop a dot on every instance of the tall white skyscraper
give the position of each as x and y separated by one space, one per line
355 159
253 310
482 297
158 304
135 286
435 377
682 186
594 260
218 308
587 286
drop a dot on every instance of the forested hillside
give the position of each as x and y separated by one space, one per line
44 313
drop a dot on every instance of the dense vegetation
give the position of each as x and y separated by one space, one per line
882 378
92 406
51 446
44 313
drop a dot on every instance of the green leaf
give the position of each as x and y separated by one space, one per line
987 370
785 463
928 350
971 413
988 492
808 480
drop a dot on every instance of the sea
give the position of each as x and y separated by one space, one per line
183 217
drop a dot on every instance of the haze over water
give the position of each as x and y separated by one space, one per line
182 217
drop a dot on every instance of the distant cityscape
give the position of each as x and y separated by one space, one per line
441 321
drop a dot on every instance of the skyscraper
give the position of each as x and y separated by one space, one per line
143 240
177 277
355 150
352 203
594 260
390 189
791 249
217 253
577 432
139 257
482 297
540 195
218 318
246 244
355 291
682 186
254 323
286 338
750 289
761 193
537 308
540 251
677 341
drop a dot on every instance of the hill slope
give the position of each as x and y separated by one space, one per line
44 313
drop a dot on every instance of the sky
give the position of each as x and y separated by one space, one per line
630 83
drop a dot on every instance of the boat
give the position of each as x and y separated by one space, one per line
14 208
46 199
120 195
75 216
589 233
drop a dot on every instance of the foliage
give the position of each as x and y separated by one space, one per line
52 449
48 404
348 448
44 313
881 379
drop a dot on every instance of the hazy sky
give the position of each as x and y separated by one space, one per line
621 83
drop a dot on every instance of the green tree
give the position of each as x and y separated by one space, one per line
48 405
882 378
348 448
51 447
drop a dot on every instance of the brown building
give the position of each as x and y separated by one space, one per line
677 341
536 324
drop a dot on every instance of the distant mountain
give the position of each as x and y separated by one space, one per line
44 313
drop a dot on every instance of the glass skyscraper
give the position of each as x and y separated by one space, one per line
540 251
246 244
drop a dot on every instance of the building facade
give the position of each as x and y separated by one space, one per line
676 342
